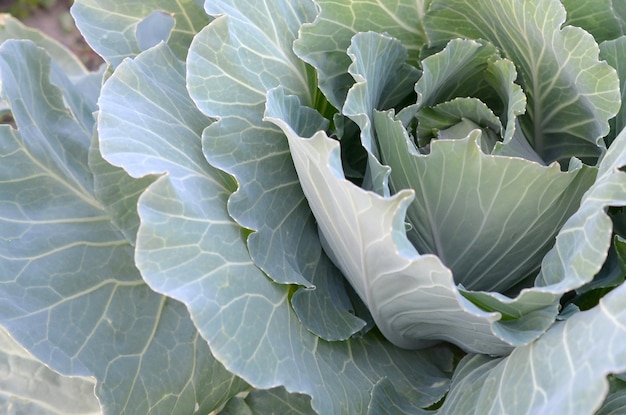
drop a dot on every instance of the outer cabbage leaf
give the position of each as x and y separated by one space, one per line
231 64
69 290
189 248
117 30
323 43
563 372
12 28
27 386
582 244
567 113
412 297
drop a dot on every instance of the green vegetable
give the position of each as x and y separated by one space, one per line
334 207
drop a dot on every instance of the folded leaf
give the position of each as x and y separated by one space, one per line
566 115
412 297
490 219
323 43
383 79
189 248
562 372
613 51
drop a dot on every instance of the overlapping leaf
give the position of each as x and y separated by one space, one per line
477 212
604 19
231 65
261 402
383 79
69 289
119 29
443 102
583 242
615 402
28 386
562 372
323 43
568 111
11 28
614 51
189 248
412 297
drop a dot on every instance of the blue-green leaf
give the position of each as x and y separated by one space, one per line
614 51
189 248
365 235
604 19
490 219
323 43
69 289
562 372
117 30
272 401
568 110
231 65
27 386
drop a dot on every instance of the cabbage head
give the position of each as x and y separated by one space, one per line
316 206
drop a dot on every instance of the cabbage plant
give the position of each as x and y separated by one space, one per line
316 206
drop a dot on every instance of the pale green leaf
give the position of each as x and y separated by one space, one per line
583 242
272 401
189 248
604 19
117 30
29 387
231 65
490 219
69 291
365 235
571 94
385 400
383 79
578 254
323 43
614 51
563 372
443 102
